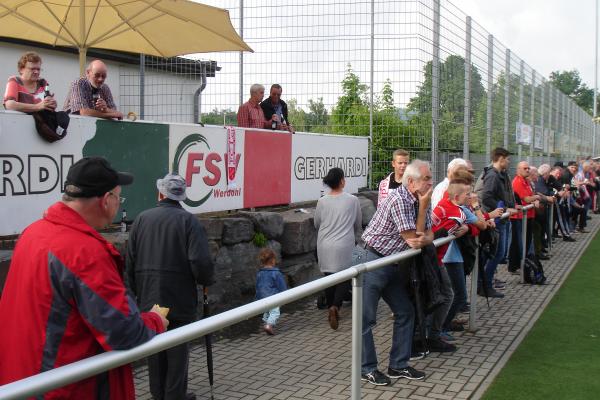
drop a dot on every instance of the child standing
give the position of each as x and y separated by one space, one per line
269 281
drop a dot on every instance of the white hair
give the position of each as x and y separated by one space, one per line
413 171
544 169
256 87
457 162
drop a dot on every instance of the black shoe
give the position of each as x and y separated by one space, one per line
417 355
455 327
582 230
190 396
498 284
543 256
495 294
568 239
408 373
376 378
465 309
440 346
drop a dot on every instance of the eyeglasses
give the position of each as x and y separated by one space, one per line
99 75
121 199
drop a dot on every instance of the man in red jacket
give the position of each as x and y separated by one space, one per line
64 298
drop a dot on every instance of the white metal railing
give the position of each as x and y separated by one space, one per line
67 374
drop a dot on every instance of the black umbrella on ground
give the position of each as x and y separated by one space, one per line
415 281
208 341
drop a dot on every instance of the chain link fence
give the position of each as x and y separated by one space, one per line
418 75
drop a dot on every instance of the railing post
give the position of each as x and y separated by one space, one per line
357 306
523 242
473 297
551 228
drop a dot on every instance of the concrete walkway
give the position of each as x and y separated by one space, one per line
308 360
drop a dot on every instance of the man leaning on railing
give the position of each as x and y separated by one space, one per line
402 221
64 298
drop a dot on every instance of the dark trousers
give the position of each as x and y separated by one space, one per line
168 370
515 253
335 294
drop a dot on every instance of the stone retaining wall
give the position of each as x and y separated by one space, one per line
233 245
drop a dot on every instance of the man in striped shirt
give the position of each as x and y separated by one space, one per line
251 115
402 221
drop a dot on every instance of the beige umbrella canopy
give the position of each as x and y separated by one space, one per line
164 28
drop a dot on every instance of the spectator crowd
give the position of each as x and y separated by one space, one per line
78 294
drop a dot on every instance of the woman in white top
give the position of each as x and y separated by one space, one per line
338 221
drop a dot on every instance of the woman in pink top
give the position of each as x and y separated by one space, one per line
26 92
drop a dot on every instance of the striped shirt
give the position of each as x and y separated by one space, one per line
397 213
251 116
81 95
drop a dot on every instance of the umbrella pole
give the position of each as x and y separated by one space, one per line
82 58
208 341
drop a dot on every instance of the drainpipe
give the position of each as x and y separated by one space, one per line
198 99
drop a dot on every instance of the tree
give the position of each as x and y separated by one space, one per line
569 82
452 103
348 114
386 100
317 117
297 116
220 117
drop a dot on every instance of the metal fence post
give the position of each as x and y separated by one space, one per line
521 97
357 306
435 88
523 242
241 66
490 85
372 73
595 105
467 113
532 142
473 297
542 109
142 84
550 117
506 97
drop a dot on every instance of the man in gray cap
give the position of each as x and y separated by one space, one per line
167 256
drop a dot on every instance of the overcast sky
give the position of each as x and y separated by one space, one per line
549 35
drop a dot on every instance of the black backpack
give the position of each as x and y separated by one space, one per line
534 272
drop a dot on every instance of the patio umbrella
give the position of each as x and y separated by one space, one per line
164 28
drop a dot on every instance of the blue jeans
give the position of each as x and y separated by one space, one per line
272 316
503 230
390 283
456 272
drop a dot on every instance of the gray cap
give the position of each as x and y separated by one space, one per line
172 186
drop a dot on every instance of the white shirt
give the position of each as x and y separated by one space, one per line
438 192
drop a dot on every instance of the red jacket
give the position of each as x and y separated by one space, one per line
448 216
64 300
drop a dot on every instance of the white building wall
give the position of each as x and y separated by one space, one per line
168 97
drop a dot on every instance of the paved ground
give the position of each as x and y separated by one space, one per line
307 360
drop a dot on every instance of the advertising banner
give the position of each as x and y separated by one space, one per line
225 168
314 155
523 134
538 142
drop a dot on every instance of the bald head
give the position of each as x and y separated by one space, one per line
523 169
96 73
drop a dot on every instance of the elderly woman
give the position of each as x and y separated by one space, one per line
26 92
338 220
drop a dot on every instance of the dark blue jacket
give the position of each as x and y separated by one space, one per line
269 281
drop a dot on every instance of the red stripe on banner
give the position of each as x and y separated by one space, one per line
267 168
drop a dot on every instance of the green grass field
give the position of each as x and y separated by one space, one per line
560 357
